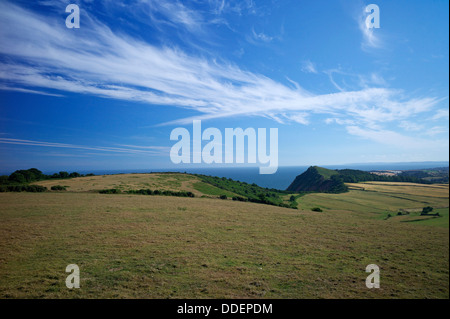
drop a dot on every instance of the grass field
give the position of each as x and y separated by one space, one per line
378 199
132 246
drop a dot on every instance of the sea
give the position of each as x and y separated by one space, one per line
280 180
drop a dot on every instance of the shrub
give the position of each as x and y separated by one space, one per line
110 191
58 188
426 210
159 192
4 179
35 188
63 175
146 192
74 174
17 177
223 197
317 209
23 188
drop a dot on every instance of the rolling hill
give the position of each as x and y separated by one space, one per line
318 179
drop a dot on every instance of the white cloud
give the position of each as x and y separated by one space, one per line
441 114
128 149
339 121
93 60
309 67
301 118
8 88
389 137
261 36
436 130
411 126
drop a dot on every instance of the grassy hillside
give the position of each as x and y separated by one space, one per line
131 246
249 192
318 179
199 185
380 199
325 172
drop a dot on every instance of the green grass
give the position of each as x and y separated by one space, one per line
249 191
211 190
441 221
377 200
130 246
326 173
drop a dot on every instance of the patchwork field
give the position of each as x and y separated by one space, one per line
137 246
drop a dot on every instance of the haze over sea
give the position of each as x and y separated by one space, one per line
280 180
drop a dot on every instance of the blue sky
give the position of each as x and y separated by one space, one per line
107 95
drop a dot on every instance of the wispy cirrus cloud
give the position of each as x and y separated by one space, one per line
127 149
441 114
93 60
398 140
23 90
309 67
173 13
261 36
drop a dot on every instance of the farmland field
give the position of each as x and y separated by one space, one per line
135 246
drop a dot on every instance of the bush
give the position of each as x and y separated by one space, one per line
159 192
64 175
4 179
35 188
58 188
317 209
110 191
223 197
23 188
426 210
17 177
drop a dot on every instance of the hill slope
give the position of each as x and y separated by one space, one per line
318 179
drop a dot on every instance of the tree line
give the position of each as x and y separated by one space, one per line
356 176
34 175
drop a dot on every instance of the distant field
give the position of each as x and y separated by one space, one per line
124 182
136 246
378 199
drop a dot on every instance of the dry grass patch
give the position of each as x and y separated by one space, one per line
131 246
